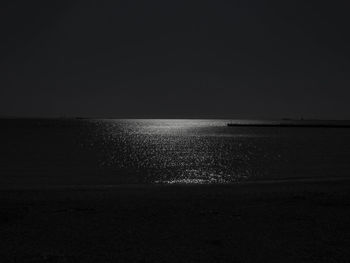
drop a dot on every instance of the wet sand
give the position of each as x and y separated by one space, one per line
254 222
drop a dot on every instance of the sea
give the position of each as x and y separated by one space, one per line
106 152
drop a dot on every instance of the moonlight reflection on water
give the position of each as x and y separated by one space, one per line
180 151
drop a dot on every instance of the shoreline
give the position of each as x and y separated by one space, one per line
91 186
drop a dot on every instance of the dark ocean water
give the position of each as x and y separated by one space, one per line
104 152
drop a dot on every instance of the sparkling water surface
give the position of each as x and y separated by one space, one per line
166 151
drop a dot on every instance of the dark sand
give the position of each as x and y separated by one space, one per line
255 222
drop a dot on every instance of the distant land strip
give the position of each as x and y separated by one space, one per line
296 125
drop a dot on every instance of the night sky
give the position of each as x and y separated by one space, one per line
175 59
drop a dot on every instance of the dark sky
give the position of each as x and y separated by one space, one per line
166 59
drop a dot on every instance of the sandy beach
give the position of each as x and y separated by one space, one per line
253 222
